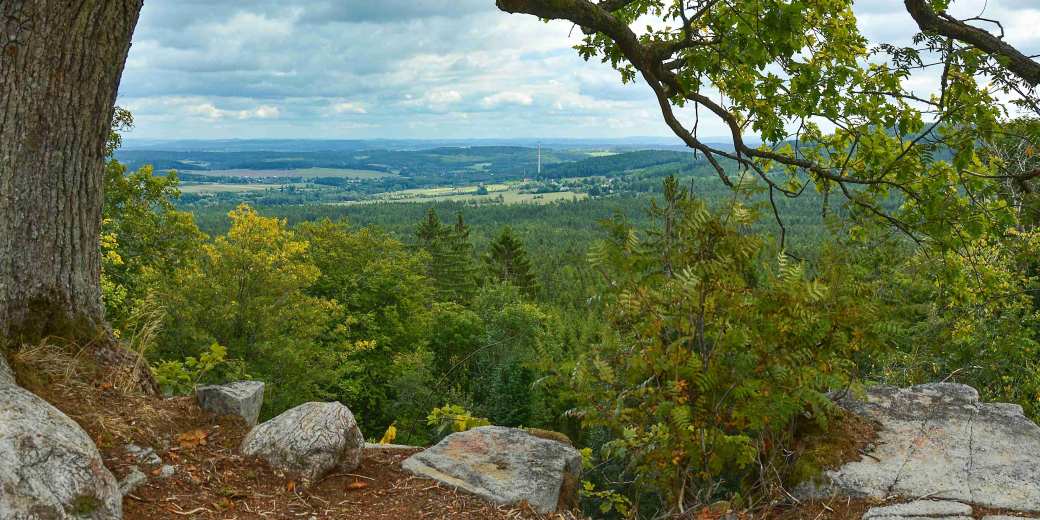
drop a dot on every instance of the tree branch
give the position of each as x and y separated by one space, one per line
944 25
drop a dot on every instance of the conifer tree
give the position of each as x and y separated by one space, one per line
451 258
429 231
506 260
461 274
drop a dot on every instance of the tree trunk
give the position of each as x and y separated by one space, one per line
60 66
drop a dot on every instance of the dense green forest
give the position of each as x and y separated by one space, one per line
431 315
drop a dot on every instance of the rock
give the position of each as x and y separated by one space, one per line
402 447
939 441
241 398
167 471
309 440
504 465
1002 517
550 435
132 481
919 508
143 455
6 375
49 467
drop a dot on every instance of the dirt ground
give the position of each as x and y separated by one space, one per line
211 481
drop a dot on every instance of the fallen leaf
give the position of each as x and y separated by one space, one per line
291 486
354 486
192 439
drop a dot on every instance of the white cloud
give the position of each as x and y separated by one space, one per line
443 97
210 111
507 98
348 107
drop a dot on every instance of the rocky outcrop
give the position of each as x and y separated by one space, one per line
241 398
939 441
309 440
921 509
504 465
49 467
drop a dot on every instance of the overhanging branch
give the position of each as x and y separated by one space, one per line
945 25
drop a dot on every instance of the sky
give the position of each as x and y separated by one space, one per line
410 69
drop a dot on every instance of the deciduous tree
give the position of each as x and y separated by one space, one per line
60 66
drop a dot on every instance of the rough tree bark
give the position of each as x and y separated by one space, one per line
60 66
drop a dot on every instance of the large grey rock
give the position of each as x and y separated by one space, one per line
49 467
504 465
241 398
309 440
939 441
920 508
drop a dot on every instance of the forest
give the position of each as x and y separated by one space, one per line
427 317
686 318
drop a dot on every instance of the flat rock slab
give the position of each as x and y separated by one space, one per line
920 508
504 465
241 398
939 441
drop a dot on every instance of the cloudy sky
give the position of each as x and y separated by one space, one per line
407 69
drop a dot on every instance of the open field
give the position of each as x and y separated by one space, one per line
308 173
497 194
225 188
446 191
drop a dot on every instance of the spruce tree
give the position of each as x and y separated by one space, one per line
461 272
506 260
451 258
429 231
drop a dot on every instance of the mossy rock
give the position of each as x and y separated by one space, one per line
84 505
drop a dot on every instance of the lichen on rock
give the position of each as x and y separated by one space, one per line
49 466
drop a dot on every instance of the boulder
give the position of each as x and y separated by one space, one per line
939 441
310 440
241 398
49 467
504 465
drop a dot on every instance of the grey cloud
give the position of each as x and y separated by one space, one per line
401 60
383 11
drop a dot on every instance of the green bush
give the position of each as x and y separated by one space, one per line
181 377
711 352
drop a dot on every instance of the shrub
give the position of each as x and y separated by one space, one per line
711 351
453 419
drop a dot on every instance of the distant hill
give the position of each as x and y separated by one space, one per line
349 145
